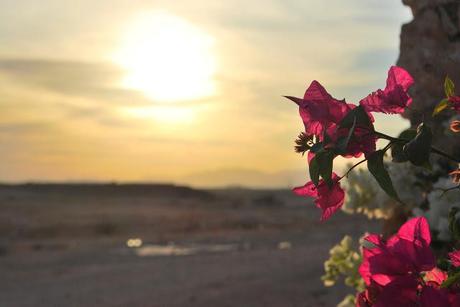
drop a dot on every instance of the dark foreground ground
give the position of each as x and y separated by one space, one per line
65 245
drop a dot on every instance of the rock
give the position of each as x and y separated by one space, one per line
430 50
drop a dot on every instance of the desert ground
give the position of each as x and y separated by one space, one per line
66 245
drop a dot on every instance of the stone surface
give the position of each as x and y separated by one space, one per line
430 50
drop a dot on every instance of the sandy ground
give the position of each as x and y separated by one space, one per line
66 246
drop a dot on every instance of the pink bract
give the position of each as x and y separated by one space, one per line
405 254
394 99
329 200
321 113
319 110
455 102
455 258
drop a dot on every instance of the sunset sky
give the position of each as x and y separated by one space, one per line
179 91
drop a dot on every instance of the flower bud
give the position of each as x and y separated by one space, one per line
455 126
455 176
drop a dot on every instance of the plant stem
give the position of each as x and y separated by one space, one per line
433 149
351 168
364 160
441 153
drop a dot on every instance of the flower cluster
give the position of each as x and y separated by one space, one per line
440 204
343 261
341 128
364 195
401 271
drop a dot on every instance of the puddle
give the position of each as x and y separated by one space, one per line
183 250
154 250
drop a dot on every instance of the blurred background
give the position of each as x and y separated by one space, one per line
147 152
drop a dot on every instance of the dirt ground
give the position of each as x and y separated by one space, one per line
65 245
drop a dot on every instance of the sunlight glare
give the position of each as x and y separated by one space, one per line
167 58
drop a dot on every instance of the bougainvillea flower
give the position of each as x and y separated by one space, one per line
454 258
363 141
328 199
369 296
400 292
319 110
394 99
407 253
435 277
321 114
455 102
455 126
361 300
434 297
408 291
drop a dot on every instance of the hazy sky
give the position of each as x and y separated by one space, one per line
179 91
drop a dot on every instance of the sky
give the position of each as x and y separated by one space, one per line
187 92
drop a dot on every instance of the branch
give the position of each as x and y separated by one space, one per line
433 149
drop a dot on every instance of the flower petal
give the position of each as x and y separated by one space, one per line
394 99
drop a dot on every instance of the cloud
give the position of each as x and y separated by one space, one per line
89 80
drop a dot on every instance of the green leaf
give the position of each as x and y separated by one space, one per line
325 166
359 115
441 106
342 142
418 149
322 164
449 87
317 147
397 152
313 168
378 170
451 280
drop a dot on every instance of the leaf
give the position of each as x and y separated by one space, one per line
418 149
342 142
378 170
317 147
313 168
441 106
361 117
322 164
325 166
451 280
397 152
449 87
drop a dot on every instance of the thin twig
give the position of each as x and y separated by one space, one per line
351 168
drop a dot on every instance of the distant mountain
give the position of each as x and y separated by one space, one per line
108 189
246 178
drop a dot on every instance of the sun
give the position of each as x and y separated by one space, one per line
167 58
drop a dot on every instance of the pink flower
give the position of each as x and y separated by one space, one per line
434 297
407 253
321 113
329 200
408 291
435 277
455 103
400 292
394 98
455 258
369 296
363 141
319 110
